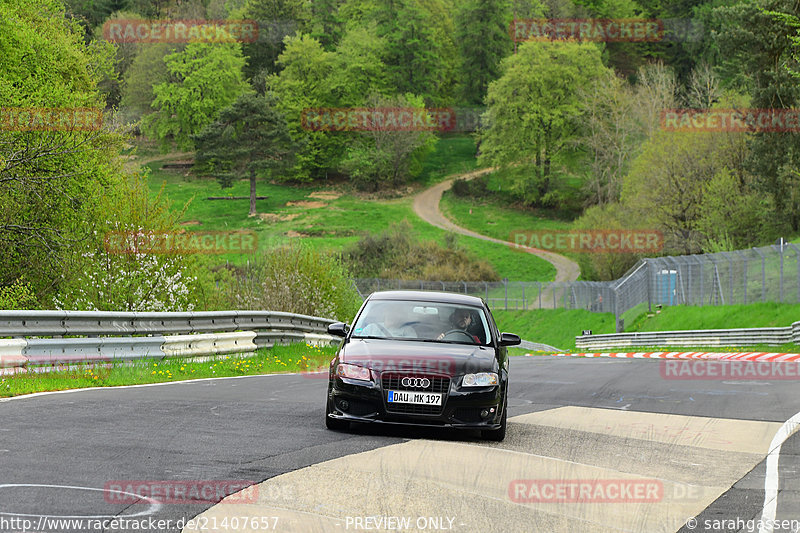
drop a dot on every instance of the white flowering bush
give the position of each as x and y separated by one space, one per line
295 279
124 279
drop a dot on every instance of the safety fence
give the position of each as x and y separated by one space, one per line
766 274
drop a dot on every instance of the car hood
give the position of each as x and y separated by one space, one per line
419 357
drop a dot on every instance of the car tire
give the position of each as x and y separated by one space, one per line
499 434
334 423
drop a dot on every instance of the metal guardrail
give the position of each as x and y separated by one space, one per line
88 323
708 337
98 336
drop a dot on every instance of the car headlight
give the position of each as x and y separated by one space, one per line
353 372
482 379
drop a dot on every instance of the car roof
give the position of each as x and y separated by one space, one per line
428 296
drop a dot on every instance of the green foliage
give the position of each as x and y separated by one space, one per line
482 35
378 158
302 84
204 79
249 139
295 279
277 20
606 266
106 276
756 47
416 49
398 254
147 71
533 113
18 295
49 179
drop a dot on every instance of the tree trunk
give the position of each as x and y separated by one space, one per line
252 193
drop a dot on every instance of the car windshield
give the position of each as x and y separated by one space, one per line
426 321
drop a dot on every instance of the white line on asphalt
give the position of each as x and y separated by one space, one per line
155 505
771 480
67 391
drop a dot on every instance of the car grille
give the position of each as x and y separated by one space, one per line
438 384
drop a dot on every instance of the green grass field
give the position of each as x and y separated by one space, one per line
493 218
559 327
279 359
327 218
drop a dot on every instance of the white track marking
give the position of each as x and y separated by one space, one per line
155 505
771 480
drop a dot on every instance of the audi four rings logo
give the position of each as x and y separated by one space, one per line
416 383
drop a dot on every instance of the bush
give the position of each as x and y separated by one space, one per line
294 279
398 254
474 188
18 295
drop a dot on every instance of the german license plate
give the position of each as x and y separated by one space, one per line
419 398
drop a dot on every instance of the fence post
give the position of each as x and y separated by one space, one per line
505 282
524 306
540 294
763 275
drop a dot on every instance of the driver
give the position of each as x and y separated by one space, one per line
392 325
461 319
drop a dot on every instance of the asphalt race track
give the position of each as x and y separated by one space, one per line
647 453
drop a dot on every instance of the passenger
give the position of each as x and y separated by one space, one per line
392 324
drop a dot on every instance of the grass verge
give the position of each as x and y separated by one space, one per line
275 360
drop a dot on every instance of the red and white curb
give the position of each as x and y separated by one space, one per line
722 356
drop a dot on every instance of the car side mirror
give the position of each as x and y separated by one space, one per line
338 329
509 339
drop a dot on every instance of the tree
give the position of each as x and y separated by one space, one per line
482 34
610 134
416 55
304 83
147 71
49 180
668 184
382 157
533 112
277 19
756 47
204 79
249 139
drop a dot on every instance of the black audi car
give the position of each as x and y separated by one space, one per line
421 358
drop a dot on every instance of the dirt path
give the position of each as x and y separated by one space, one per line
426 206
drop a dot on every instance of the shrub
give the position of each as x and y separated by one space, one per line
294 279
18 295
397 254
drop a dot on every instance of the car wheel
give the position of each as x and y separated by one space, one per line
334 423
497 434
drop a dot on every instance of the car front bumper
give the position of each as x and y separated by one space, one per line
366 402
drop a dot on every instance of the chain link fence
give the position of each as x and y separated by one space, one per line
766 274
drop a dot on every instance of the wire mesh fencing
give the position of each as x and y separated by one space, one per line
766 274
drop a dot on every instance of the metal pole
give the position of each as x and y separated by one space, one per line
524 307
540 294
